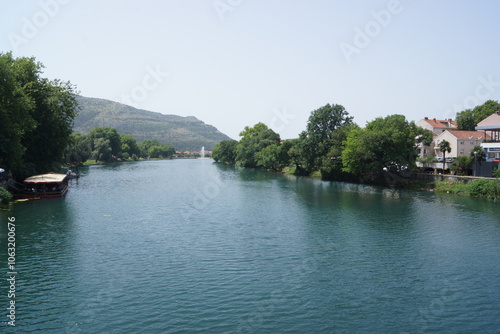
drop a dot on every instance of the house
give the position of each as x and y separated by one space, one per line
490 126
461 142
436 126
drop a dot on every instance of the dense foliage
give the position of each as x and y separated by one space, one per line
384 144
225 152
485 188
332 144
36 117
105 144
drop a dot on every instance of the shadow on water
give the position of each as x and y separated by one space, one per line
45 249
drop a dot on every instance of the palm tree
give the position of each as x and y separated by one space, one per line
444 146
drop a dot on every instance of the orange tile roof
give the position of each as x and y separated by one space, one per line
461 134
441 123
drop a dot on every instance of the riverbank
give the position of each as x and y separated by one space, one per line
488 188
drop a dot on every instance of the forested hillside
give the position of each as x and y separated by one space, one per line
184 133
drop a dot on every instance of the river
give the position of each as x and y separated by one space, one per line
190 246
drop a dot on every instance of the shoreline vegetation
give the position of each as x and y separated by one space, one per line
334 148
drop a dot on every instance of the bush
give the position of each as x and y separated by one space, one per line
485 188
5 196
462 165
496 173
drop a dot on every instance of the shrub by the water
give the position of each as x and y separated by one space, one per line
5 196
485 188
496 173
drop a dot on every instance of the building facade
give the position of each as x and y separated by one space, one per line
490 126
461 142
437 127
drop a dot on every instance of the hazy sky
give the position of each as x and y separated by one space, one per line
233 63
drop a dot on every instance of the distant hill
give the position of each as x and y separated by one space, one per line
184 133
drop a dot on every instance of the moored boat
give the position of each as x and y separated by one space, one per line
45 186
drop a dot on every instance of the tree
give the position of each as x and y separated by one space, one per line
145 145
424 136
78 150
253 140
331 165
102 150
225 152
55 109
465 120
167 151
161 151
129 146
15 119
298 154
113 141
154 151
468 119
320 126
478 153
274 156
444 146
384 143
36 116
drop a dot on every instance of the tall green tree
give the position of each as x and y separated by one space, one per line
444 147
320 128
36 116
253 140
15 118
55 109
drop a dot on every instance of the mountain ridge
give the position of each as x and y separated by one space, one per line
185 133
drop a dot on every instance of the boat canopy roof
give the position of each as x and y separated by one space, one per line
46 178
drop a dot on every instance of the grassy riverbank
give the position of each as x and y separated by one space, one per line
484 188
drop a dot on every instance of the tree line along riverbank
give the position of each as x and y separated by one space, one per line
334 148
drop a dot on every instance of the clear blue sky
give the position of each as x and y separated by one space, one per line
233 63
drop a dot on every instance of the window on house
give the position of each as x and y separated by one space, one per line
461 143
